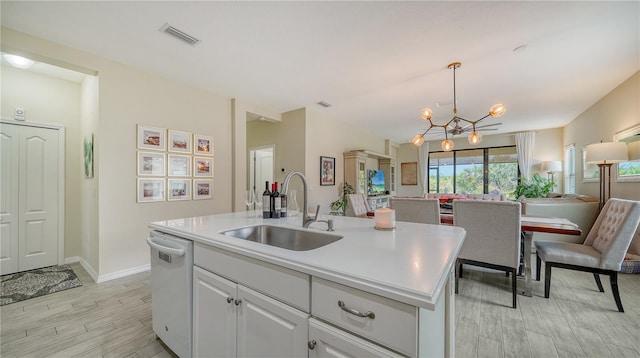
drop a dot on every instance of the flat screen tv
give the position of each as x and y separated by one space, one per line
376 182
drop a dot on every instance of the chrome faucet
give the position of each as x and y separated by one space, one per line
306 219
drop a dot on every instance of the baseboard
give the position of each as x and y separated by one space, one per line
123 273
85 265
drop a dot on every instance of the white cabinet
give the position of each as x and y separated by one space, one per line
232 320
31 203
328 341
214 315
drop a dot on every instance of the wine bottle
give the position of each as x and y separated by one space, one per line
266 202
276 200
283 205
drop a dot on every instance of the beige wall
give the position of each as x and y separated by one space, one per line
127 97
615 112
51 101
327 137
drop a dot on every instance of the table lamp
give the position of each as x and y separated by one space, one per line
551 167
604 155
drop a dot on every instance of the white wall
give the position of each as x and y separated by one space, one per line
126 97
615 112
49 100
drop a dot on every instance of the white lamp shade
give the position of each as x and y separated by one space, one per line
552 166
634 150
607 153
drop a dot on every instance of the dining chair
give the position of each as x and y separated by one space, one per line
357 205
416 210
493 237
601 253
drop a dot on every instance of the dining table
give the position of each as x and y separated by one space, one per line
528 226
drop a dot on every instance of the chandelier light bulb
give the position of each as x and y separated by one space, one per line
497 110
474 138
418 140
426 113
447 145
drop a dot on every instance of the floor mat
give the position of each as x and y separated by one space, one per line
39 282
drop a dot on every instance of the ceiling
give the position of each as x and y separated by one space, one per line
377 63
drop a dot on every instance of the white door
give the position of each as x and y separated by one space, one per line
269 328
36 192
214 315
260 168
9 201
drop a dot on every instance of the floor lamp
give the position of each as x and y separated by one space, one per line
604 155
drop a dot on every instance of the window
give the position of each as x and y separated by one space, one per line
570 169
474 171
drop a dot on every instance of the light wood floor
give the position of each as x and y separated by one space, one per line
113 319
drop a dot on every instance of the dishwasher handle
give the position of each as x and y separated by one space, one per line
169 250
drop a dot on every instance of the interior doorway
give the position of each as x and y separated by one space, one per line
260 167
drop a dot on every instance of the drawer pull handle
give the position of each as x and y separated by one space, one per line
237 302
354 312
229 299
311 344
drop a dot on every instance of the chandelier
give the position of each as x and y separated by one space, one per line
453 126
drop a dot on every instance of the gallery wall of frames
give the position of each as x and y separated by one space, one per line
173 165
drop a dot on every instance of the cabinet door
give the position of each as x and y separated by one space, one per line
328 341
9 208
269 328
214 315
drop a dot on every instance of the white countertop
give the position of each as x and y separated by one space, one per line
409 264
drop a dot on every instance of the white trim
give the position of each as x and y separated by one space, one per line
85 265
123 273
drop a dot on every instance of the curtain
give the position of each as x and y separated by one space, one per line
423 167
524 146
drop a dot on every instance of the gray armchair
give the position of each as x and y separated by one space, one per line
493 236
416 210
603 250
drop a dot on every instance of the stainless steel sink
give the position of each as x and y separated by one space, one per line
286 238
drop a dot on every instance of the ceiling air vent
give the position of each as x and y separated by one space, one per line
324 104
180 35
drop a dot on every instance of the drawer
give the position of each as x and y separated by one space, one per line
288 286
394 324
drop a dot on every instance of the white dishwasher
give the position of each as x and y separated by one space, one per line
171 290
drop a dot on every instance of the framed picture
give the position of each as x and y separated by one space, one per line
327 171
202 144
151 137
179 165
88 156
409 173
202 189
590 172
179 141
179 189
202 167
150 163
150 190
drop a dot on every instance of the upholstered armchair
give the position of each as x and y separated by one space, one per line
493 236
602 251
416 210
357 205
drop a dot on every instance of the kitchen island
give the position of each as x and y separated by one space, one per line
371 292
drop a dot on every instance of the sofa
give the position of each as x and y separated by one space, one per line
579 209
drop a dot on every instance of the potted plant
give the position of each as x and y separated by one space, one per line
537 187
339 207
